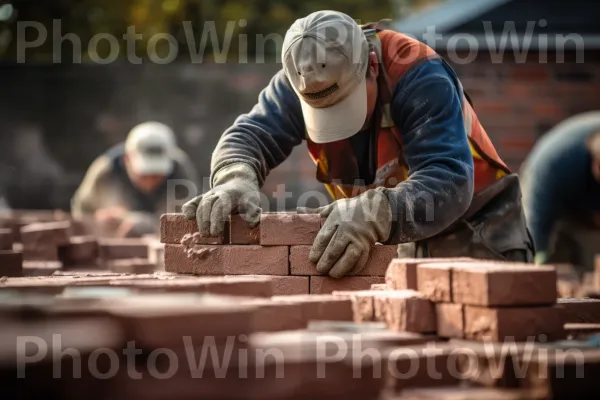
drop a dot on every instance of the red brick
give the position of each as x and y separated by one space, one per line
288 229
283 285
117 249
376 265
162 320
413 367
81 250
518 324
247 286
175 227
402 272
450 320
7 239
273 316
326 285
41 268
290 285
580 310
435 281
504 284
131 266
241 233
227 260
46 234
11 263
41 253
406 311
363 304
321 307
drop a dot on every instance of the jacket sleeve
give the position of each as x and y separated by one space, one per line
427 107
92 192
266 136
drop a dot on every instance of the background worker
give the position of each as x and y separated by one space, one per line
561 192
125 189
394 139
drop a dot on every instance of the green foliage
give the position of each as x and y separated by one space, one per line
237 24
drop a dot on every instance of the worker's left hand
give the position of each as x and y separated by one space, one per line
352 227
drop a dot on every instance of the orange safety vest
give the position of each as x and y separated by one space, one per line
337 167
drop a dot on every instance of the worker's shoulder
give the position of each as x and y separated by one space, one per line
102 168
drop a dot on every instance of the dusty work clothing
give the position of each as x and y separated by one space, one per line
425 142
558 183
107 184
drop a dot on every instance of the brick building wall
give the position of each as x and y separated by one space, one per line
517 103
66 116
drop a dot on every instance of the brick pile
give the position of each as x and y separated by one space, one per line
246 316
278 247
45 243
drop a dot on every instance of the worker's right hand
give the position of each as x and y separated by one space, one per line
235 189
112 215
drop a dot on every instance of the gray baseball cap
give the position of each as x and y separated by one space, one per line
150 148
325 57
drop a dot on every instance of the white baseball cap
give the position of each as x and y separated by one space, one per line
149 147
325 57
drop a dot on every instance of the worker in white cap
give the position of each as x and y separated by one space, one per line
395 140
126 187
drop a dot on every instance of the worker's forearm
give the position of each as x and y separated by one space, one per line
421 211
266 136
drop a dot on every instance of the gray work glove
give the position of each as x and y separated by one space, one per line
235 189
352 227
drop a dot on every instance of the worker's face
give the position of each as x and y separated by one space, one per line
372 86
144 183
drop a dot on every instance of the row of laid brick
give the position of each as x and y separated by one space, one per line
236 285
411 311
260 260
275 229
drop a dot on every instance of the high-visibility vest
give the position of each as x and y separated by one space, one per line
337 167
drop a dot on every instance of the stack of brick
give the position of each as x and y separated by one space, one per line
397 302
52 241
493 301
278 246
51 246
